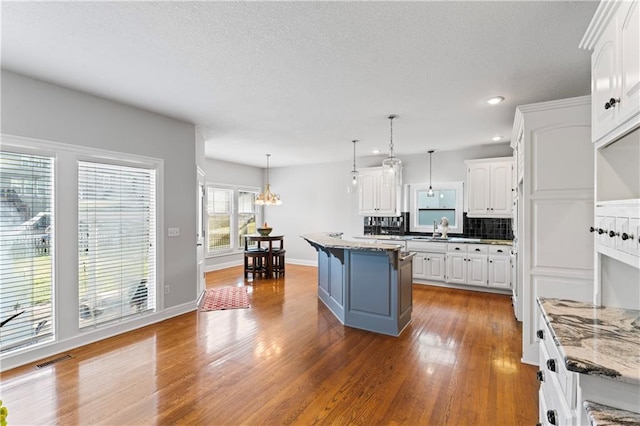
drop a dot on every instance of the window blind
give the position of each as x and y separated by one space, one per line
116 242
26 249
219 206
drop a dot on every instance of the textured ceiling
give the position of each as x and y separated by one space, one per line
300 80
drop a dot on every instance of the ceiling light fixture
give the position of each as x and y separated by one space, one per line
496 138
391 166
430 192
495 100
353 186
267 198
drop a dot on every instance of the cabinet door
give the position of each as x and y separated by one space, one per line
634 231
499 271
629 60
477 270
500 191
420 266
604 70
456 268
436 266
387 204
478 182
368 194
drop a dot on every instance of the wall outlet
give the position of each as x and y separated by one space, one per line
167 289
173 232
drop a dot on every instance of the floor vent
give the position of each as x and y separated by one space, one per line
53 361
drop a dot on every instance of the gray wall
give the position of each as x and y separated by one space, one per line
36 109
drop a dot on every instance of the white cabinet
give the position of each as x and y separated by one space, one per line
499 267
614 36
555 207
376 198
467 264
489 187
429 262
616 230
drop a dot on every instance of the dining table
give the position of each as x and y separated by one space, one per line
268 243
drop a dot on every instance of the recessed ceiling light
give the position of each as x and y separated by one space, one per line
496 138
495 100
376 151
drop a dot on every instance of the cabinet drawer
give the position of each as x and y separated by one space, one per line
500 250
553 368
457 248
424 246
478 249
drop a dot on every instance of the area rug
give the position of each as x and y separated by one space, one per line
217 299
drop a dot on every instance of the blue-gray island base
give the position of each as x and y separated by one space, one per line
365 285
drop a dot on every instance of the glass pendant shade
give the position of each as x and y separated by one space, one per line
266 197
391 166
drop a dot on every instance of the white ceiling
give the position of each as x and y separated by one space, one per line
300 80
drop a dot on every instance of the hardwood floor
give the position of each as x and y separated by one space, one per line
287 360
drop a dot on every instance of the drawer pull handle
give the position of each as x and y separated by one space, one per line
612 102
499 250
477 249
457 248
601 231
540 334
540 375
625 236
551 364
551 416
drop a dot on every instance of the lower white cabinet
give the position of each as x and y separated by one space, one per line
429 266
467 264
499 267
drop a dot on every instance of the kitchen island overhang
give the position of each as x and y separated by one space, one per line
365 285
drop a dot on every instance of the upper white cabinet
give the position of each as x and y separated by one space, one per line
489 187
376 198
614 36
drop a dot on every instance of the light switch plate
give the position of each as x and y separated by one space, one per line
174 232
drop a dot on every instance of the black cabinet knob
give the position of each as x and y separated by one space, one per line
624 236
551 364
592 229
540 376
612 102
612 234
601 231
540 334
491 261
551 416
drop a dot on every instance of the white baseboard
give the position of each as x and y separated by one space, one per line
48 349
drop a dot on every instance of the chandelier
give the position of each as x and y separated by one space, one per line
391 166
268 198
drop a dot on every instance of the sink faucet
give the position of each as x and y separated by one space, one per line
435 228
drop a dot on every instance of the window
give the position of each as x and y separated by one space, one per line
26 249
116 242
219 209
232 215
447 202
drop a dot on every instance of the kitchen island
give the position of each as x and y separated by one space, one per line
365 285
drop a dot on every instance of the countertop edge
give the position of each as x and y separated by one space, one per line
574 364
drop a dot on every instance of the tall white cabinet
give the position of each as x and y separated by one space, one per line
555 206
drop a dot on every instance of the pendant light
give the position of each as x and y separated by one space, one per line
267 198
354 175
430 192
391 166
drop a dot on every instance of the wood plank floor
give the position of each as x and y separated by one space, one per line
287 360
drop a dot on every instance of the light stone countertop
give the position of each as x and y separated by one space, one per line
419 238
598 341
327 240
603 415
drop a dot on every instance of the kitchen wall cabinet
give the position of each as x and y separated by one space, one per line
489 187
376 198
614 36
555 207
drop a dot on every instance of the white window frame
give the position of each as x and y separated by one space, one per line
236 247
66 242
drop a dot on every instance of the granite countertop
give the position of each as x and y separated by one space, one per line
603 415
330 241
598 341
456 240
